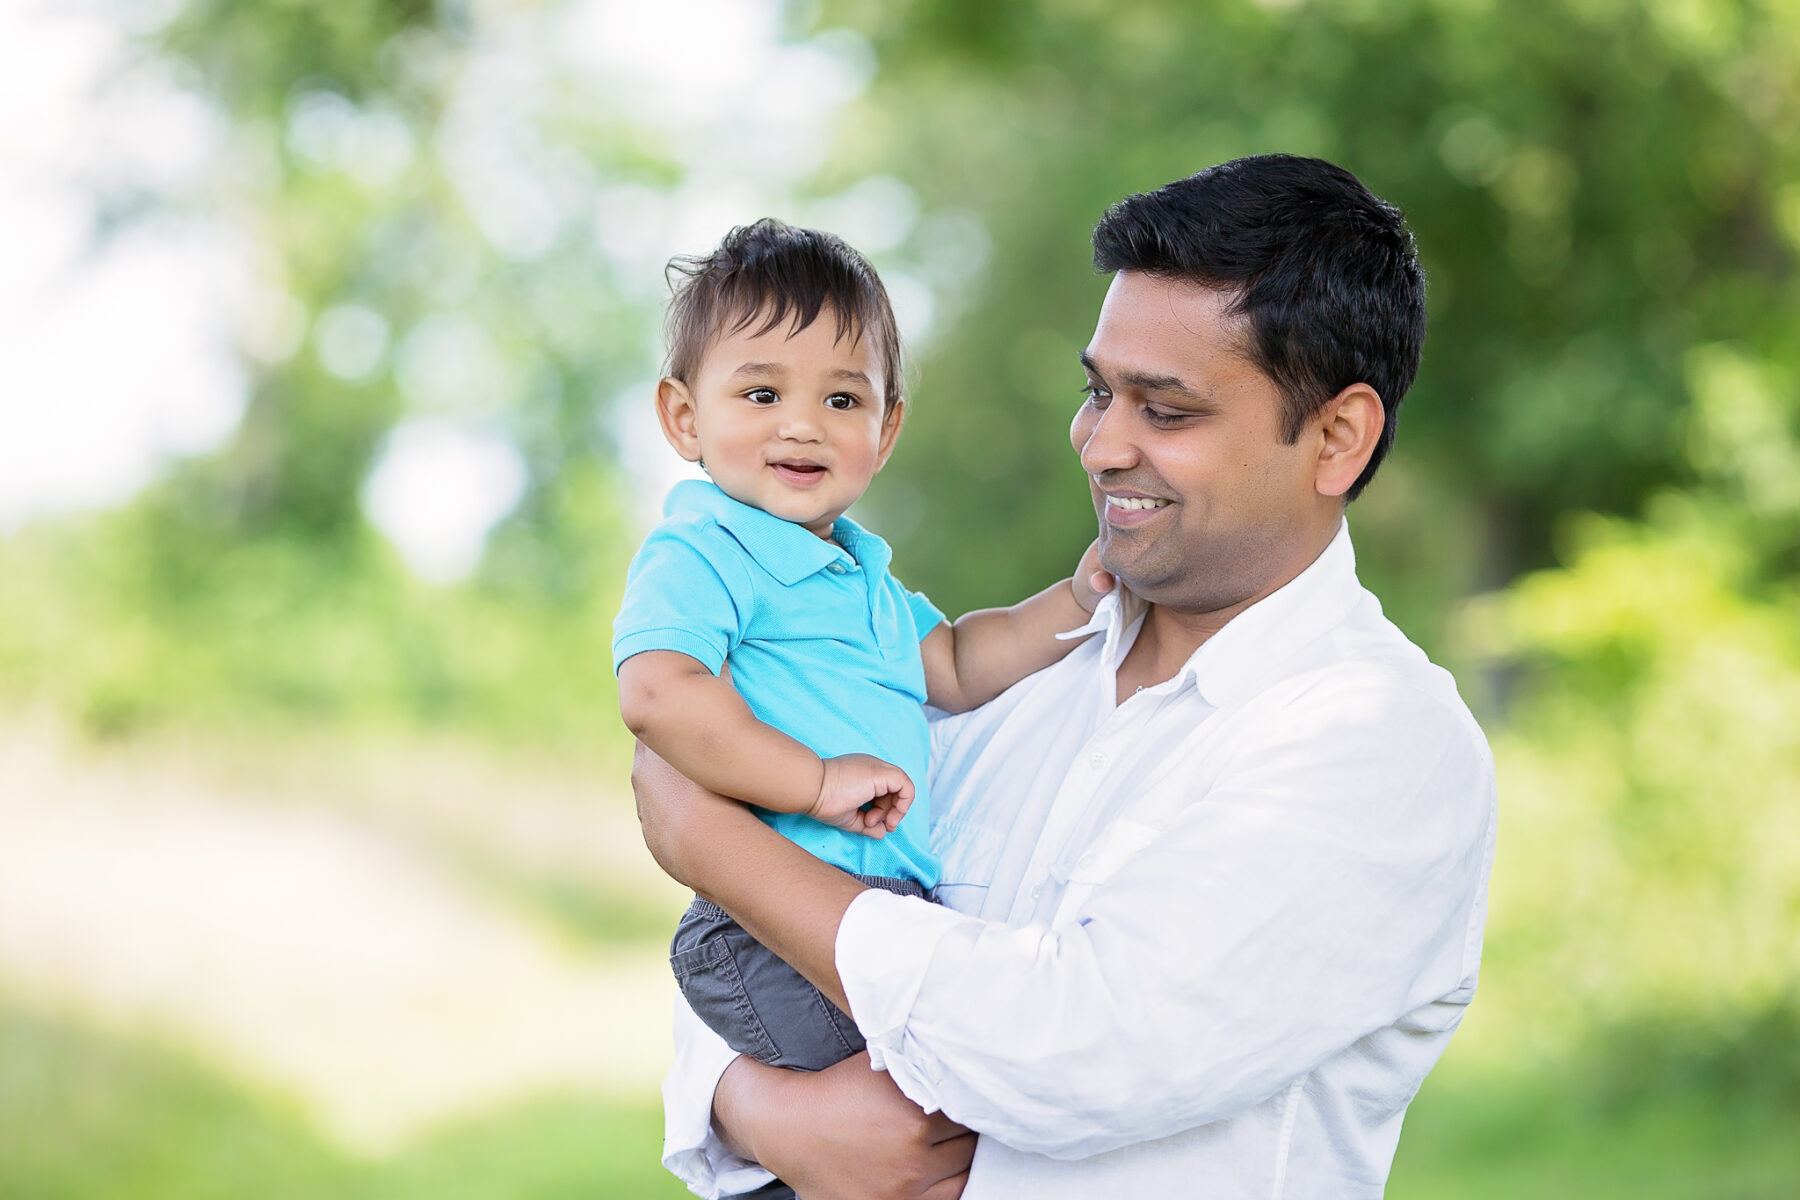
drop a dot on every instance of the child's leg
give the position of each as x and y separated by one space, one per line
755 1001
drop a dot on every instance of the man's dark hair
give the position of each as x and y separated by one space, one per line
770 274
1325 275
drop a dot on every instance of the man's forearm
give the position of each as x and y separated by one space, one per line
844 1132
788 900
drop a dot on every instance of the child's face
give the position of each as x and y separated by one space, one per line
787 422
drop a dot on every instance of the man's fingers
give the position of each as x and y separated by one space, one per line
950 1161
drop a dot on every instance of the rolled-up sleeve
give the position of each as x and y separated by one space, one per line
1321 889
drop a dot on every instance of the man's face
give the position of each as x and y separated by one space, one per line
1202 506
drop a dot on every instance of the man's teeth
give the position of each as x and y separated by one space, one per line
1135 502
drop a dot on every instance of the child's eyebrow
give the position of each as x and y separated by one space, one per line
1143 381
760 369
766 370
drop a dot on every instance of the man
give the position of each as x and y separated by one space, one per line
1214 884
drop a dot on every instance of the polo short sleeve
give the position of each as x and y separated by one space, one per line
926 615
686 591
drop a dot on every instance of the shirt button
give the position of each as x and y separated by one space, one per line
1097 759
1084 862
836 568
1037 890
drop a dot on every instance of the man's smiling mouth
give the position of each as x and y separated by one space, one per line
1134 503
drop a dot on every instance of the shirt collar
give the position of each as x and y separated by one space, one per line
1232 664
785 550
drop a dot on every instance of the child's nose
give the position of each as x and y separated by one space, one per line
800 427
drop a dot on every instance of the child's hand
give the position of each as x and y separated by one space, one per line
853 781
1091 581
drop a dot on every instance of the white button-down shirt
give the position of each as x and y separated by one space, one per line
1206 942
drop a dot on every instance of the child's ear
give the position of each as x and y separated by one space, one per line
890 431
676 413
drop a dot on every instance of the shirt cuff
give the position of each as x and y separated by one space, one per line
692 1151
885 944
682 641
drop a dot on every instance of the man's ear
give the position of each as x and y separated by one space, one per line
890 431
1349 428
676 412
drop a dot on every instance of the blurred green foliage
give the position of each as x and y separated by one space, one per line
1595 188
1593 509
164 612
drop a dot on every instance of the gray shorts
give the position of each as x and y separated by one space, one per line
755 1001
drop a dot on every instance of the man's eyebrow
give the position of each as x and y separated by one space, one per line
1143 381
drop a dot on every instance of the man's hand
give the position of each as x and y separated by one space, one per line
862 794
844 1133
1091 581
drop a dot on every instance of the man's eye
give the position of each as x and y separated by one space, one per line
1096 395
841 401
1157 417
761 396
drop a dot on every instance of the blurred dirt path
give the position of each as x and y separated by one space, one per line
314 949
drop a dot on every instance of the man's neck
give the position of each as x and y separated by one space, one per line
1164 644
1170 635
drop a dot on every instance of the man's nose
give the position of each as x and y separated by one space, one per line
1102 438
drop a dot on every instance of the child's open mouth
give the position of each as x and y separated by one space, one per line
799 472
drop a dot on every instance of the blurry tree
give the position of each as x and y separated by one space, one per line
1595 188
441 230
418 217
429 221
1651 762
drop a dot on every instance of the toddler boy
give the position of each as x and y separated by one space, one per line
762 648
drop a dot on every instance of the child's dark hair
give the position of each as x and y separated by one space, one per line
771 274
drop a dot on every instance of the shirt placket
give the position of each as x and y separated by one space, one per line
1107 762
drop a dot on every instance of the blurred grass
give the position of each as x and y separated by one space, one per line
1476 1138
85 1114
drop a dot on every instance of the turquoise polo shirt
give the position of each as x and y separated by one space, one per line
823 644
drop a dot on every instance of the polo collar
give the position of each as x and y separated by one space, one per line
785 550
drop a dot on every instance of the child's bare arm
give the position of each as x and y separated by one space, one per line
986 652
701 726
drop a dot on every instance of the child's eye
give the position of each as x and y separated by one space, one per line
841 401
761 395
